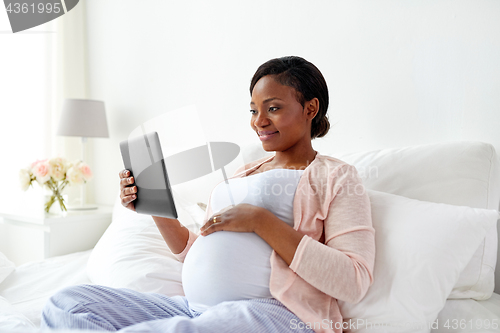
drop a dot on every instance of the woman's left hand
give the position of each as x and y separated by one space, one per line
240 218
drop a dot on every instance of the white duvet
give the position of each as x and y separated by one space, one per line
11 319
25 291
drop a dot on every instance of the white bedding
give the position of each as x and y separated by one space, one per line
468 315
27 289
30 285
114 262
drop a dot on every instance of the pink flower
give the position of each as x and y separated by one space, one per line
41 171
86 172
32 165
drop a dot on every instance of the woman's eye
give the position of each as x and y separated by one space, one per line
253 111
273 108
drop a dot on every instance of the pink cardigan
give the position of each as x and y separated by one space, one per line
329 198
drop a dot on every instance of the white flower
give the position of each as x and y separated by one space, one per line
57 168
24 179
74 175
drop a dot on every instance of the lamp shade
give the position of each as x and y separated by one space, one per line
83 117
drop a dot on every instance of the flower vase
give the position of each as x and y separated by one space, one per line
53 175
55 204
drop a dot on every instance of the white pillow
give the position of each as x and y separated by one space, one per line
6 267
132 254
464 173
421 248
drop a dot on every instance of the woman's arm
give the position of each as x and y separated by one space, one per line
280 236
343 266
173 232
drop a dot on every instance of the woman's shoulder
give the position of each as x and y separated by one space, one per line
330 161
331 170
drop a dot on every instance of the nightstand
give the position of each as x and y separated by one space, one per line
29 236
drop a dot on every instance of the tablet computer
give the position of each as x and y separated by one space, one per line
143 157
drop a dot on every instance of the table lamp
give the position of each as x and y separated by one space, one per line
85 118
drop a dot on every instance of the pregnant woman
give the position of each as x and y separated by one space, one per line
298 238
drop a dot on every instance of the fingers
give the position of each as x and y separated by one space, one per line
124 173
218 220
209 222
127 181
128 199
212 225
219 214
128 192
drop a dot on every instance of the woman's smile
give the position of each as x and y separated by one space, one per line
267 135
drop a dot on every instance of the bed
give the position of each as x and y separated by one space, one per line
451 188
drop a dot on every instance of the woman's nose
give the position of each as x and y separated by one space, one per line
261 119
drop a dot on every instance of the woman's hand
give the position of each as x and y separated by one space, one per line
249 218
240 218
127 190
173 232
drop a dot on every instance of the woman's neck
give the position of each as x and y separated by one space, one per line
294 157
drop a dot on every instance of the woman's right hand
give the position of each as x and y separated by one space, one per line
127 190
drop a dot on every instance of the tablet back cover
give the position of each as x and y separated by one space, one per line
143 157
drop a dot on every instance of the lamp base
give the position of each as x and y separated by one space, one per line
84 207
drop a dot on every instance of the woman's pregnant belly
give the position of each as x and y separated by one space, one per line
226 266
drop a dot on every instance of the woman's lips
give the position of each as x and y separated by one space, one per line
264 136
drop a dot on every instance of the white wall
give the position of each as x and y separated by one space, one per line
400 73
27 60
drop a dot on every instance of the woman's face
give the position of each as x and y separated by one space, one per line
277 117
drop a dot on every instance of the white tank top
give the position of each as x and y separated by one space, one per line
226 265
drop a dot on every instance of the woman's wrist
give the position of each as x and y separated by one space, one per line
166 221
173 232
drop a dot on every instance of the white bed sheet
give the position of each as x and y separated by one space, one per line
30 286
467 315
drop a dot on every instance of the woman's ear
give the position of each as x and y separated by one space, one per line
312 108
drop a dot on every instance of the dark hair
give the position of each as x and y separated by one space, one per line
306 79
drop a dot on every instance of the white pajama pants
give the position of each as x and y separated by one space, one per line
92 307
